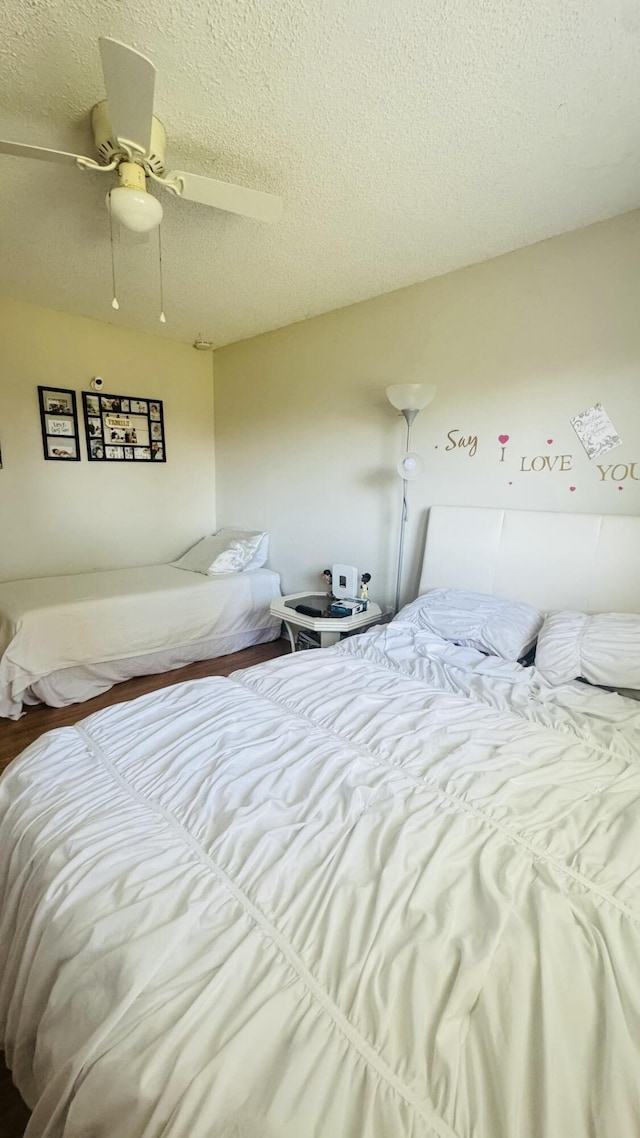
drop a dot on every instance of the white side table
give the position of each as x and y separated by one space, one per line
329 628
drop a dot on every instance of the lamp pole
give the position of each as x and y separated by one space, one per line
409 414
409 399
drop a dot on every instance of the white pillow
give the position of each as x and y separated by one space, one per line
242 553
603 649
228 551
476 620
261 553
199 557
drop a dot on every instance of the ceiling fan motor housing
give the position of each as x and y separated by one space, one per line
131 176
107 145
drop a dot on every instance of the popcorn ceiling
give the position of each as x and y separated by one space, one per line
407 140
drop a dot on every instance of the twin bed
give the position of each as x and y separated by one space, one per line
388 889
66 639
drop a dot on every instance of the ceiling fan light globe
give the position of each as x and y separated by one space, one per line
135 209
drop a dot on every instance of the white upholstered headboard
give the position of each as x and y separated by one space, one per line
587 562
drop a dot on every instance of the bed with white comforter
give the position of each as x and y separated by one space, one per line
66 639
388 890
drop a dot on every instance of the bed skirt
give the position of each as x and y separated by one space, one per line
74 685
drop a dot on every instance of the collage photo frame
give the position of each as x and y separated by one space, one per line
122 428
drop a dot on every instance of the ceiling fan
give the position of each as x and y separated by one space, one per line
131 142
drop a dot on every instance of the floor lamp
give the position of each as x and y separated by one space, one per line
410 399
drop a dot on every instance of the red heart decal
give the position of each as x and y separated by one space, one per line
511 484
620 487
502 439
572 487
549 441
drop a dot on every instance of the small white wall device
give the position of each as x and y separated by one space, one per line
97 383
344 581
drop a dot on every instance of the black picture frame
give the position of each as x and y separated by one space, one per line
123 428
59 421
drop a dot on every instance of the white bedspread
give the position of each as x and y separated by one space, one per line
388 890
52 623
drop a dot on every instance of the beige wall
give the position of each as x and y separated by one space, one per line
306 442
57 517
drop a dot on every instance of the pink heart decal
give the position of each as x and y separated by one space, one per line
572 488
502 439
620 487
549 441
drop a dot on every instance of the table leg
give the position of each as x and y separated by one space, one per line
293 632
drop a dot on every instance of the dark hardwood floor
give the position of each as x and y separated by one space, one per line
14 737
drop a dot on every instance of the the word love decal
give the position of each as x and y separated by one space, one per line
546 462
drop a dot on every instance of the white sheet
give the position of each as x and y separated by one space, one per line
55 623
391 890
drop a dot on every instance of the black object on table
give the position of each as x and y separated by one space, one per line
313 605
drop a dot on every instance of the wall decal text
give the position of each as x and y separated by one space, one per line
594 429
471 442
503 440
545 462
620 472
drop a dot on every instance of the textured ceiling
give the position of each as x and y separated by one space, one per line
407 138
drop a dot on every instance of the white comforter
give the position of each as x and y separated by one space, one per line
52 623
389 890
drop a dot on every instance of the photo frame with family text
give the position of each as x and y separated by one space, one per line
59 420
123 428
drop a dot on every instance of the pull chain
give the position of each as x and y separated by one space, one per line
163 319
114 302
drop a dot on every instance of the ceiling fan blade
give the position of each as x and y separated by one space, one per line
223 195
22 150
129 80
